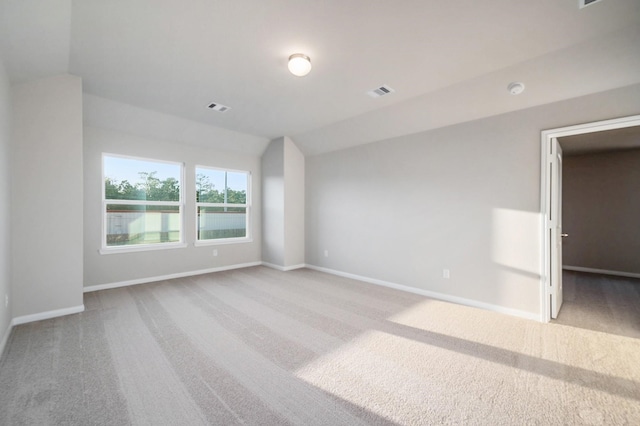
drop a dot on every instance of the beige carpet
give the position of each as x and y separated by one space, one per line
258 346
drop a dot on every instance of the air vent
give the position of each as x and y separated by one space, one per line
219 107
380 91
585 3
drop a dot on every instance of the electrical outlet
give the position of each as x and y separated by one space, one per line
326 253
215 252
6 300
446 274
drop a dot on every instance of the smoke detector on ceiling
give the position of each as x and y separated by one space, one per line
219 107
380 91
515 88
585 3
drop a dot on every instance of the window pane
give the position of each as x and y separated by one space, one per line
236 188
131 225
222 222
209 185
133 179
219 186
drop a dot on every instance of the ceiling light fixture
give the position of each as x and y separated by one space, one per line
299 64
515 88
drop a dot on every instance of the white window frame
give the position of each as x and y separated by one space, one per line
142 247
219 241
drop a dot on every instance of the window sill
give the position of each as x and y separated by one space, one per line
139 248
222 241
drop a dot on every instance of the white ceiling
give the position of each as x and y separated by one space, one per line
449 61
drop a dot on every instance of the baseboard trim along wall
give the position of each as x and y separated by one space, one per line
434 295
47 315
107 286
601 271
283 268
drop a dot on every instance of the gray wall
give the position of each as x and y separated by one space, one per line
122 267
283 204
293 205
601 211
5 195
464 198
47 183
273 203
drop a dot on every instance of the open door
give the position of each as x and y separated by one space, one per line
551 208
555 227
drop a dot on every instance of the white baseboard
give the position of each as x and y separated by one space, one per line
5 338
434 295
167 277
283 268
47 315
601 271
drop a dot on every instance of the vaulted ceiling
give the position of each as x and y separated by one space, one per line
449 61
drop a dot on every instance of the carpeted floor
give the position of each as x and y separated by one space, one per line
258 346
598 302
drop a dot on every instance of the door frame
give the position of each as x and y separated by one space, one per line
546 154
554 228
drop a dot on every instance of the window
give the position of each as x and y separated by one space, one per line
142 203
222 205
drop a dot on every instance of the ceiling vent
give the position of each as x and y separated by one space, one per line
380 91
585 3
219 107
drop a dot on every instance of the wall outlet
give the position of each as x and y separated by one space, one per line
326 253
446 274
215 252
6 300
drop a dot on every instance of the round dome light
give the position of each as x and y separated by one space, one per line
299 64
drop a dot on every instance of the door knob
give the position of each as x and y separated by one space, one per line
564 235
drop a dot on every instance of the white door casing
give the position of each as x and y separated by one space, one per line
550 189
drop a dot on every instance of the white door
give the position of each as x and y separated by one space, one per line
555 228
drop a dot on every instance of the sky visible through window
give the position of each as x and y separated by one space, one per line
235 181
121 169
